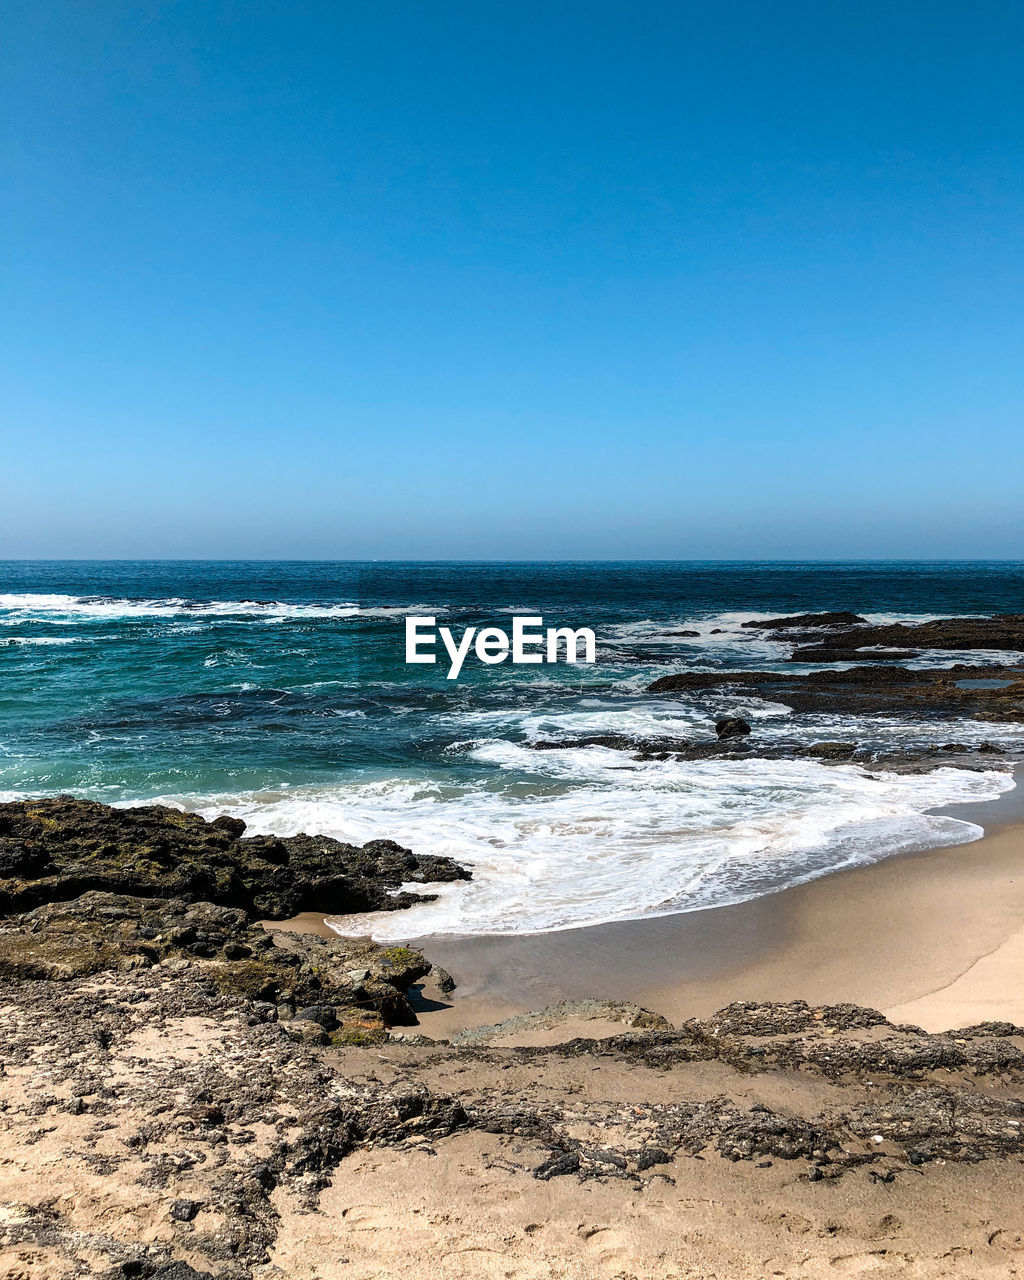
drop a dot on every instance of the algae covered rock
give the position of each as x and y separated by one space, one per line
56 849
100 932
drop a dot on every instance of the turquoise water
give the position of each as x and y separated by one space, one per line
279 691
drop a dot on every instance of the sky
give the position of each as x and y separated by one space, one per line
482 280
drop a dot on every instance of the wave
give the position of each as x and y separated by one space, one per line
42 640
37 607
559 852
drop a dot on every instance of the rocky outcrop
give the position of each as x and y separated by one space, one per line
839 618
937 692
90 890
556 1015
849 631
1005 632
746 746
732 727
835 653
288 973
56 849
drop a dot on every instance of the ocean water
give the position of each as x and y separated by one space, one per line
278 692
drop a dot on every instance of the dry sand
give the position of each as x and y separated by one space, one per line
467 1213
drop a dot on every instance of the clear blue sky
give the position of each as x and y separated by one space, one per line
513 280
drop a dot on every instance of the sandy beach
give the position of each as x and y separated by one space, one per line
934 937
197 1132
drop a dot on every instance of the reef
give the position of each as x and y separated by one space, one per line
941 693
848 631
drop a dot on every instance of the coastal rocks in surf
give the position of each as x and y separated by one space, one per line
55 849
732 727
835 653
840 618
648 748
849 631
745 746
959 691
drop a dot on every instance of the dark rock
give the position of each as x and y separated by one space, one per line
684 635
442 979
832 653
305 1032
558 1166
613 741
56 849
835 619
1003 631
866 690
180 1271
832 750
732 727
324 1014
651 1156
184 1210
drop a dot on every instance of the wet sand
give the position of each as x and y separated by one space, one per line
935 937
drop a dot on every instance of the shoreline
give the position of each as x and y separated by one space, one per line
934 937
771 1136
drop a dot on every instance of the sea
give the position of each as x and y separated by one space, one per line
278 692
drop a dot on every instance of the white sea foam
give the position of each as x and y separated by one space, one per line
39 607
724 639
598 837
39 640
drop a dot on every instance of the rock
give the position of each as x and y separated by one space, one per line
867 690
184 1210
832 750
305 1032
732 727
180 1271
322 1014
632 1015
772 1018
835 619
442 979
57 849
833 653
100 932
1003 631
684 635
359 1027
